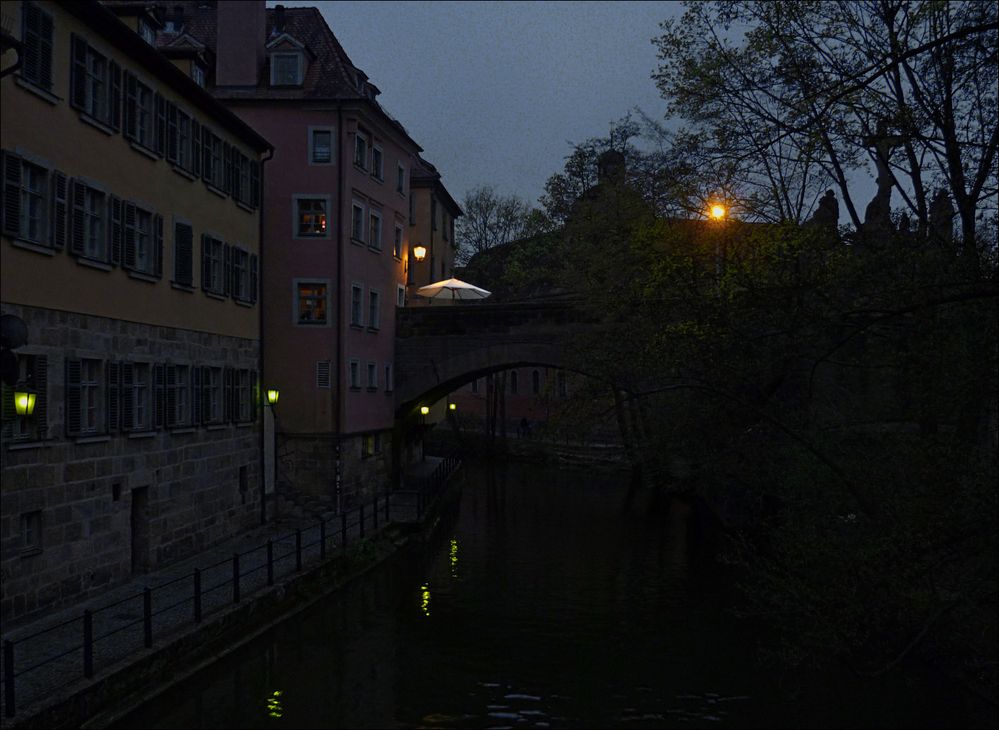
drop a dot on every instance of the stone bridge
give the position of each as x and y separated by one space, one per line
439 349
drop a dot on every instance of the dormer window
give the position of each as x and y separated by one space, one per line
198 74
146 32
286 69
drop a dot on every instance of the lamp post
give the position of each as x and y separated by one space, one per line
718 212
424 410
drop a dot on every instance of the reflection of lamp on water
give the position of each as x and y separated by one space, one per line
24 401
274 708
425 599
454 557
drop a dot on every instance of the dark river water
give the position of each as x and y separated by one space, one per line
546 599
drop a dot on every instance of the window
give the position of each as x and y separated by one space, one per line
286 69
320 146
34 193
400 179
323 374
372 375
388 378
139 112
198 74
143 240
513 382
94 83
146 32
136 396
356 304
31 532
311 216
84 397
241 178
400 295
357 222
354 373
94 235
375 231
36 35
183 254
397 242
178 408
33 201
212 170
361 150
212 397
377 166
212 262
310 303
240 259
183 140
374 307
244 392
535 382
32 373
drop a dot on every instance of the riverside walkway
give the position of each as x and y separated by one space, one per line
49 659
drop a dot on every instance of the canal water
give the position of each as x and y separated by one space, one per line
546 599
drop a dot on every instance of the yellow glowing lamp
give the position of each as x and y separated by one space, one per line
424 410
718 211
272 395
24 402
452 406
419 252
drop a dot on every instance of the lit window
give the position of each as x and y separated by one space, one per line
311 217
311 303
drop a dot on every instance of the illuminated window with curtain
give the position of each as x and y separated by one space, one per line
311 303
311 217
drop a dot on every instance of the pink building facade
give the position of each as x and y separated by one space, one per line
336 234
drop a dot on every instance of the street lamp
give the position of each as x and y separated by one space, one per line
419 252
24 401
424 410
452 406
272 396
718 212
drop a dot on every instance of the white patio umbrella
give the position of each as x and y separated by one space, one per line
452 289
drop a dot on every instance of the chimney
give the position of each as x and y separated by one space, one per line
239 51
279 19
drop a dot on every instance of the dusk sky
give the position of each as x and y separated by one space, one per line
496 92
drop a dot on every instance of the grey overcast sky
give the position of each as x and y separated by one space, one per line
495 92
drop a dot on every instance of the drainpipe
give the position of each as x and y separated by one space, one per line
336 394
261 383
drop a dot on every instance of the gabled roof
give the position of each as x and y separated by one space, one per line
425 175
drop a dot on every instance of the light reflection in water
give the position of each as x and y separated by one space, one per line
425 599
274 708
454 557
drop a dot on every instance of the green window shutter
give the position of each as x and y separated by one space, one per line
196 147
40 382
58 227
9 413
127 396
160 125
78 194
196 396
159 396
114 229
253 277
183 253
112 391
158 243
11 194
226 269
171 395
77 72
114 97
128 261
73 414
45 50
131 104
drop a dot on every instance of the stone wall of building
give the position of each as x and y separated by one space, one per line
118 503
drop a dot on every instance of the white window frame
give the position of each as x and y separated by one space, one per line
400 295
298 67
295 313
376 323
92 394
312 151
378 168
365 163
42 198
354 373
356 205
356 286
198 74
375 234
399 240
295 199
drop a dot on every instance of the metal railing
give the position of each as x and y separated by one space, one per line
98 637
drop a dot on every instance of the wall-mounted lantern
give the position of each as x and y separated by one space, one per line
419 252
24 401
424 410
272 396
452 406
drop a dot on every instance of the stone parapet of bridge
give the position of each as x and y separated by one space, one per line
439 349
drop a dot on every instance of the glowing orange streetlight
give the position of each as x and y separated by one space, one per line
419 252
718 211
